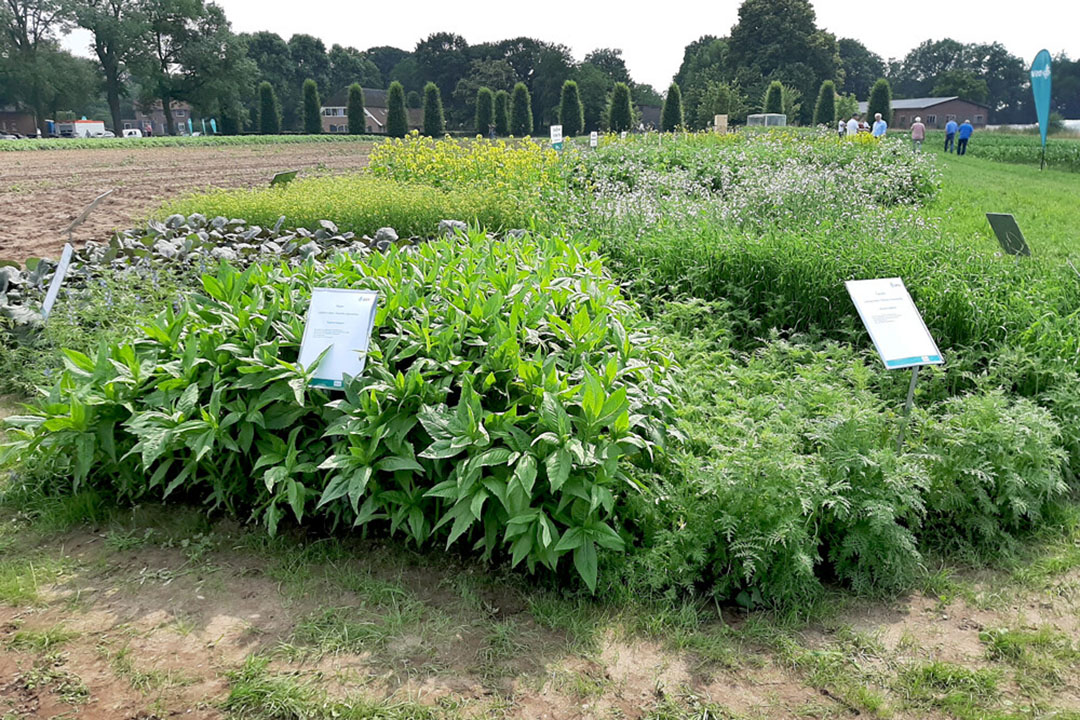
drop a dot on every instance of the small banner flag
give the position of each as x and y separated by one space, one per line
1040 87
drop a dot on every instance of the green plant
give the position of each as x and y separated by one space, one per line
355 112
880 100
521 116
485 109
269 112
397 120
774 98
502 402
620 114
825 109
312 108
571 113
434 125
502 113
671 116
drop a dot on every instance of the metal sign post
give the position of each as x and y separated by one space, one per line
907 407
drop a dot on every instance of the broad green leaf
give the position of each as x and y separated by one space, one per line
585 561
559 464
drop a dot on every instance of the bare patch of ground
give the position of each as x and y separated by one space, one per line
42 192
158 614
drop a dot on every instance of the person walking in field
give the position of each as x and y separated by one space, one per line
962 137
880 126
918 134
841 127
950 135
853 126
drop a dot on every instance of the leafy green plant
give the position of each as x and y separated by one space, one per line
507 389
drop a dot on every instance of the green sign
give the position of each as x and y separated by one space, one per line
1008 234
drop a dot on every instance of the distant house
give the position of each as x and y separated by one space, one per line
650 116
13 120
335 118
935 111
152 117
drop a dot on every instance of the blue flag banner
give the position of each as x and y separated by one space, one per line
190 129
1040 87
213 126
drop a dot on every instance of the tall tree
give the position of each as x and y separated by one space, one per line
397 119
30 28
962 83
308 60
269 112
485 110
594 86
434 123
495 74
719 98
442 58
703 67
312 108
774 98
347 66
571 116
671 117
610 62
825 109
116 27
502 113
385 58
521 118
880 100
273 64
779 40
355 110
859 67
620 111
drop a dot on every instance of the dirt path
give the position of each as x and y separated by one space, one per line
156 613
42 192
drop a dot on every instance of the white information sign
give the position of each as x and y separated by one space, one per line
594 139
894 323
556 137
339 322
57 281
622 135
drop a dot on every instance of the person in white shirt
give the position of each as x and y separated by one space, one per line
853 126
841 127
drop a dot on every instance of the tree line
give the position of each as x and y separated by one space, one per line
159 51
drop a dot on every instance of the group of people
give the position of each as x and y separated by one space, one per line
857 125
960 134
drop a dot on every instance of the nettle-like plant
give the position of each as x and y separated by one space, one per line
507 387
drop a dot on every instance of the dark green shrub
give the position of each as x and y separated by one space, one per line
355 110
774 97
620 114
269 113
397 120
434 124
229 119
880 101
521 117
507 390
571 113
502 113
825 109
414 101
312 108
671 116
485 110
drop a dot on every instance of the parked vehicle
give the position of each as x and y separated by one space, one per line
132 133
8 136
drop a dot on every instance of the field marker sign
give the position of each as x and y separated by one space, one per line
900 336
283 178
1008 234
594 139
57 281
556 137
339 324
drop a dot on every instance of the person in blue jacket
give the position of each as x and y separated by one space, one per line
950 135
962 137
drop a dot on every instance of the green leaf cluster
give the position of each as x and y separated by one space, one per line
508 388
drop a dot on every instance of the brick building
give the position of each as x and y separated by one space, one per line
935 112
16 121
154 118
335 118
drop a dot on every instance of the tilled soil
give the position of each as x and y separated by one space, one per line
42 192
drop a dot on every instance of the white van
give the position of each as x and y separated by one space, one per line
132 133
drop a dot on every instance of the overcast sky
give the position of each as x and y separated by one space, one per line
652 40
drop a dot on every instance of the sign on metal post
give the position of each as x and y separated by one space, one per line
556 137
57 281
1008 234
1040 88
897 329
283 178
339 323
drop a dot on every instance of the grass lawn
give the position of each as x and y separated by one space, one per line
1044 202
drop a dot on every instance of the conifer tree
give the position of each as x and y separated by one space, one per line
485 109
312 108
434 123
502 113
620 113
571 113
521 117
825 109
397 120
880 101
355 110
774 97
269 114
671 116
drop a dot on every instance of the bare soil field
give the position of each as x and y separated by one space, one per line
42 192
156 613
